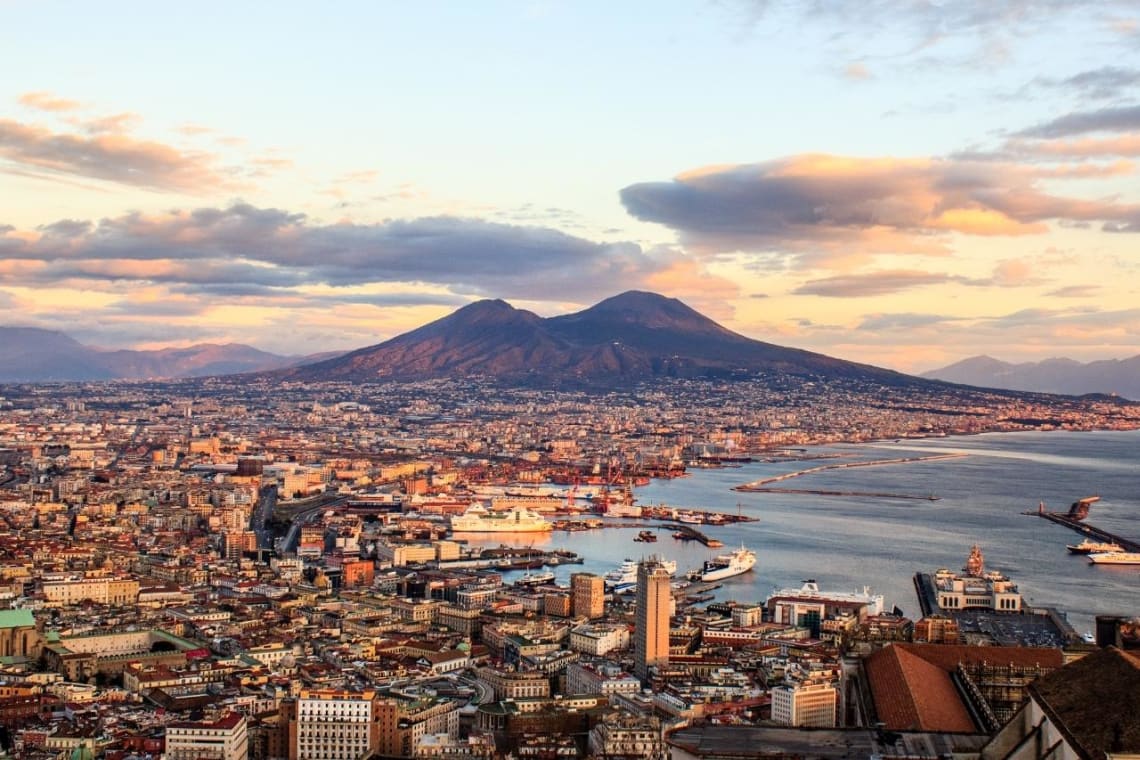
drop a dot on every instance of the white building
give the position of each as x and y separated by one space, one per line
806 704
222 739
334 725
602 679
976 589
598 639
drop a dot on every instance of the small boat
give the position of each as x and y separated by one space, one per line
646 536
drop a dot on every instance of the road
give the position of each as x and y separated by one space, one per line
266 504
289 542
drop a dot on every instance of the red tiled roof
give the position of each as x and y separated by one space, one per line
912 694
949 656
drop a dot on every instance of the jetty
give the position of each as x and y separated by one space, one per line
867 494
756 485
689 533
1074 520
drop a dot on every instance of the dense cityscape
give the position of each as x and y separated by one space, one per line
542 380
232 568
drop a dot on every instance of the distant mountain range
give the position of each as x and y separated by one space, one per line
32 355
1066 376
630 337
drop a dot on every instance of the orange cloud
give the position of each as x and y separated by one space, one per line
978 221
110 157
45 101
823 210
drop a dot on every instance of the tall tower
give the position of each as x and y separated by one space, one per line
654 600
589 595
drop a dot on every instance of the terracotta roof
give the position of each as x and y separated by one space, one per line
912 694
948 656
1096 702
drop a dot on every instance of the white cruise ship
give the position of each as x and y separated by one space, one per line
727 565
1093 547
624 578
518 520
1115 558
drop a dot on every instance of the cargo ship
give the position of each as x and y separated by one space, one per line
518 520
725 566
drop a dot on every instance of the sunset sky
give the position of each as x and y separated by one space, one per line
899 183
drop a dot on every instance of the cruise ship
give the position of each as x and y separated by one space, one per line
624 579
518 520
1115 558
726 565
1092 547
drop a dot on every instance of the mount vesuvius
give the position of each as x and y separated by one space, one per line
627 338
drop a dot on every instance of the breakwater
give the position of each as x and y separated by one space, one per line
757 485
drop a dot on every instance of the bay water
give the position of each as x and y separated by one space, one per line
851 541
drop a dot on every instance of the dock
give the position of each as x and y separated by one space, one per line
1085 529
757 484
691 533
816 492
1074 519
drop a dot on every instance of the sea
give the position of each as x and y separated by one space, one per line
871 538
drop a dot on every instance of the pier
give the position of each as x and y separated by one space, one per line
695 593
692 534
1086 529
815 492
756 485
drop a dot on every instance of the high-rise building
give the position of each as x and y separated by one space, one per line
654 602
334 725
589 592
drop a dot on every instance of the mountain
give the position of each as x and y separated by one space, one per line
200 360
1058 375
629 337
30 355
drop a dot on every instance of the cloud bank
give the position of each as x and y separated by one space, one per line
817 207
262 249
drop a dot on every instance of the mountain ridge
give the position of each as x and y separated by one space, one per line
1120 377
632 336
33 354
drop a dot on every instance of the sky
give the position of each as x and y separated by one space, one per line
899 182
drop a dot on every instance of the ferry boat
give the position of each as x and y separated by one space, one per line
1093 547
624 578
727 565
518 520
1115 558
535 579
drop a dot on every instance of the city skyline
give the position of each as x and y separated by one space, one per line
899 184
